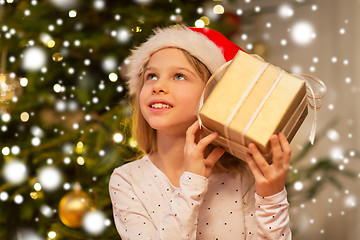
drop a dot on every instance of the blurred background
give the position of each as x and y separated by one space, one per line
65 116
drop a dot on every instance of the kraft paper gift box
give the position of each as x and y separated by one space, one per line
252 101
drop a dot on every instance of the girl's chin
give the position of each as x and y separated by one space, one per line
172 128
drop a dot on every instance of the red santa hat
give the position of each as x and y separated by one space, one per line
209 46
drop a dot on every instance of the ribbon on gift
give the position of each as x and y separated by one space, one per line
241 150
313 99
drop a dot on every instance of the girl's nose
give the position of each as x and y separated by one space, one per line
159 88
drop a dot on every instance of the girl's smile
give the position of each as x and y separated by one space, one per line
159 105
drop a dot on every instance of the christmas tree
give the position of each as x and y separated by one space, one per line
64 111
65 116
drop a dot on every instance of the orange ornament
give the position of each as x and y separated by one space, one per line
73 206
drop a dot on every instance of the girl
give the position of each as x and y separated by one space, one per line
176 190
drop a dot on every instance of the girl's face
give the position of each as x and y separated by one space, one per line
170 95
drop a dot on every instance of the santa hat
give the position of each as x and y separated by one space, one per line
209 46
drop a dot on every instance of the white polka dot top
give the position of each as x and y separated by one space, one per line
223 207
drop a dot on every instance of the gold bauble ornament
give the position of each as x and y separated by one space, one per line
73 206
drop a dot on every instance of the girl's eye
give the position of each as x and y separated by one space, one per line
180 76
151 76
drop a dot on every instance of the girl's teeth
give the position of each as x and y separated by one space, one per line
160 105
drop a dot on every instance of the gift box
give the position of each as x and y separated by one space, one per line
252 101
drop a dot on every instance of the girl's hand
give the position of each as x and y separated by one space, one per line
270 178
194 152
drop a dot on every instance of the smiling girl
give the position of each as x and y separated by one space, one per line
180 189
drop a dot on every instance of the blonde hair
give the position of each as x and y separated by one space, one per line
146 135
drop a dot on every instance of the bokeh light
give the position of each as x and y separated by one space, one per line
46 211
80 160
34 58
24 82
27 234
94 222
50 178
350 201
99 4
4 196
52 234
113 77
72 13
65 4
37 186
15 171
123 35
118 137
5 151
18 199
333 135
218 9
5 117
298 186
199 23
15 150
109 64
302 33
285 11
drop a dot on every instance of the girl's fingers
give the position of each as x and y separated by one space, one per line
258 174
190 132
214 156
194 151
258 158
285 146
206 141
270 179
191 136
276 149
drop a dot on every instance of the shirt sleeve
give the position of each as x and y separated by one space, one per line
272 216
133 221
265 217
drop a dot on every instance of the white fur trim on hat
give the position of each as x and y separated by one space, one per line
181 37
